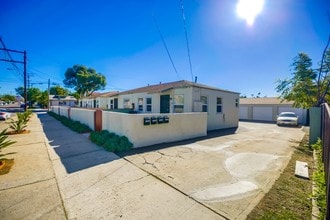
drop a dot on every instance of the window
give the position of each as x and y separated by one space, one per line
237 102
178 103
127 103
219 105
149 105
204 103
140 104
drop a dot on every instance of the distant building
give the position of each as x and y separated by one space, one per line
267 109
56 100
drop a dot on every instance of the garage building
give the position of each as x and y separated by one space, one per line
267 109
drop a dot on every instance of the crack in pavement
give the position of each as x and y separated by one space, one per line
93 184
178 190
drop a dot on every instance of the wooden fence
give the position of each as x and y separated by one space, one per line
325 135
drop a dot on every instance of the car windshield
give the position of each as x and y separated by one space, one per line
292 115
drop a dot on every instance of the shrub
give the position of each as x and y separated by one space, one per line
111 141
20 124
3 142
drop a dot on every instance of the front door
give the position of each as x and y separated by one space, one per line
165 104
115 103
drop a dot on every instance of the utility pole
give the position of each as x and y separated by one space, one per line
25 92
48 94
16 61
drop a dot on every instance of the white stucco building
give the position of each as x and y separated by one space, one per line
222 106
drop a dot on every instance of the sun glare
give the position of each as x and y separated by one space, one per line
249 9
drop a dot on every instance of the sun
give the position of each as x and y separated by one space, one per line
249 9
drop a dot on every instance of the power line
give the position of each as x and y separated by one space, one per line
164 43
187 43
6 52
38 72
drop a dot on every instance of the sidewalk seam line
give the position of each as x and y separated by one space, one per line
27 184
75 155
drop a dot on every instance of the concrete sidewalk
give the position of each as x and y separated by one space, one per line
29 190
59 174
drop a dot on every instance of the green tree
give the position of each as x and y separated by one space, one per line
33 95
84 80
7 98
58 90
302 86
20 91
323 80
43 99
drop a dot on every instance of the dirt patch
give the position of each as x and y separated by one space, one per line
14 132
290 196
5 168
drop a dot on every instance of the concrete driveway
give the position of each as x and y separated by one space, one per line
223 175
226 173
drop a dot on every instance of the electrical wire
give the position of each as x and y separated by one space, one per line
187 42
164 43
6 53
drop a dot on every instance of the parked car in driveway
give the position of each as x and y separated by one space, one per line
287 118
4 114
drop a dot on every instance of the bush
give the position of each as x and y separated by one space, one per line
110 141
3 142
319 179
20 124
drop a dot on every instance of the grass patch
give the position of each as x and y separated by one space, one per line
319 179
73 125
110 141
290 196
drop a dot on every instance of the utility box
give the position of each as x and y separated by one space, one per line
166 119
314 124
160 119
153 120
146 121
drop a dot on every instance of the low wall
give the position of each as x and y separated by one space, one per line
84 116
64 111
180 127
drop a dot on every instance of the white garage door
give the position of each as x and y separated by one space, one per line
301 113
263 113
243 113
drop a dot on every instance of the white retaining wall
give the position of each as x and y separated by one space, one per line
84 116
64 111
180 127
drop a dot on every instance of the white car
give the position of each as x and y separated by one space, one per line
4 114
287 118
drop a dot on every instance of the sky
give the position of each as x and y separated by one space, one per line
122 40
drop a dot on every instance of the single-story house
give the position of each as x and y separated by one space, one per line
267 109
222 106
56 100
97 100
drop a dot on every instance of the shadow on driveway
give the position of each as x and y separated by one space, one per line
75 151
210 134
